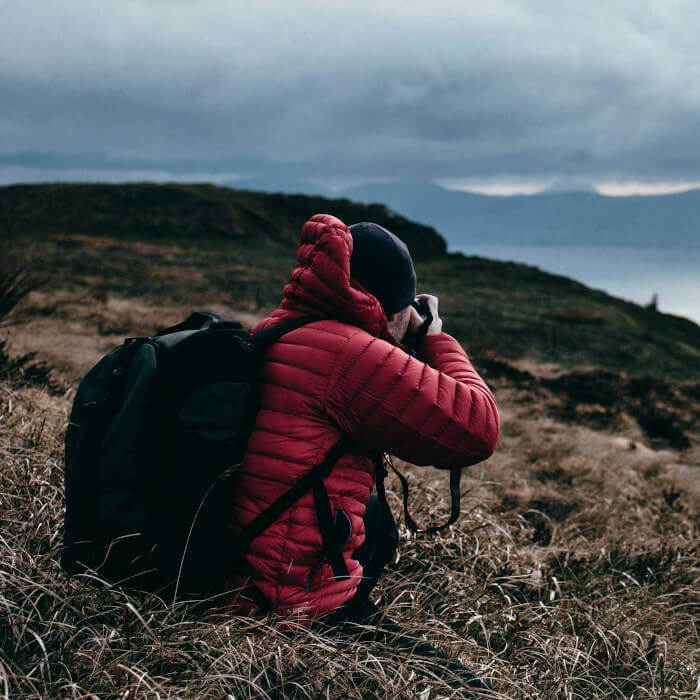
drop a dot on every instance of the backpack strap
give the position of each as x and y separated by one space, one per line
196 320
313 479
263 339
455 494
268 516
332 546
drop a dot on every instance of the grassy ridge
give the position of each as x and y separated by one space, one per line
238 247
193 212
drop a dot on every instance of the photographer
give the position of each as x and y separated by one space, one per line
371 375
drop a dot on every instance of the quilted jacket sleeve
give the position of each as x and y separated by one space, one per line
438 411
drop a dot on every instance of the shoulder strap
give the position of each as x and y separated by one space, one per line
264 338
313 479
263 520
196 320
411 524
261 340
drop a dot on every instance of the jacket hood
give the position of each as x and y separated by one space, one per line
320 285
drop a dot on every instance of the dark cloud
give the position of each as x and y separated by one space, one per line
373 89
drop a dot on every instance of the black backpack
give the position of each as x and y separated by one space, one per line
156 433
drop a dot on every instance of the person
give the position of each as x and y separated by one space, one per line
350 373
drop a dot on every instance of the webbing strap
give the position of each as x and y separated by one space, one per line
331 546
262 339
263 520
455 495
195 321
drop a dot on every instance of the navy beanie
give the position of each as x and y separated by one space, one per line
381 263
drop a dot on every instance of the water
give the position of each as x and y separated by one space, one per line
634 274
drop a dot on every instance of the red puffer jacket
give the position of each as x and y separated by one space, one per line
345 374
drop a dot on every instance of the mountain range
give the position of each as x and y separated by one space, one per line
548 218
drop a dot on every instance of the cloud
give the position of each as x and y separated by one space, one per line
369 89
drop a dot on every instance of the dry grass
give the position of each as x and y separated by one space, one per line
70 330
571 574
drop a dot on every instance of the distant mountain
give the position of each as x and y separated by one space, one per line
548 218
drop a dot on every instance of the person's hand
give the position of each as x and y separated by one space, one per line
416 320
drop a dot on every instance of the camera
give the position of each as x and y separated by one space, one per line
421 306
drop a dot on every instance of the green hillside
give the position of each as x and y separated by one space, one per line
237 247
193 212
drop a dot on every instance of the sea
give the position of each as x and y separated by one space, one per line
635 274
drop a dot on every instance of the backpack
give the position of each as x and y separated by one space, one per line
157 430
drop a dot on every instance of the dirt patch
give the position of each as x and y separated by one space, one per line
70 331
666 411
106 243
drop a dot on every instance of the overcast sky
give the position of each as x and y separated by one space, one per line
494 93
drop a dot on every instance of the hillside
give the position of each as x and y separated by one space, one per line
238 247
570 572
171 247
191 212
